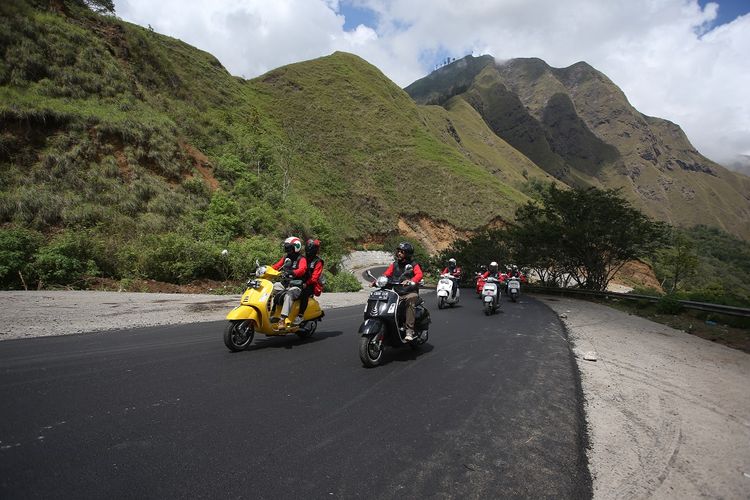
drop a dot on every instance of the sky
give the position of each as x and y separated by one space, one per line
682 60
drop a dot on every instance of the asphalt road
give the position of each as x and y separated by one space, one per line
490 407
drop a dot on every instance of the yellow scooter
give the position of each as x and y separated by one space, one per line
257 308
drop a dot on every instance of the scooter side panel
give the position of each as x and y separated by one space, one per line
244 312
370 327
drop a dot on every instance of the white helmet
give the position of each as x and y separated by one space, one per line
493 265
292 244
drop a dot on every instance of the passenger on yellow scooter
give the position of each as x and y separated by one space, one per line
294 266
312 285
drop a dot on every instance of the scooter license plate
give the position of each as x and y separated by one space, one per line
513 285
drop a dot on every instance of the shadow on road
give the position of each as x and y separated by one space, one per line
402 354
289 341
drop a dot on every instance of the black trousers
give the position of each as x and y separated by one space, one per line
304 298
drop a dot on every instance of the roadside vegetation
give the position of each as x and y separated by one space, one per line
583 237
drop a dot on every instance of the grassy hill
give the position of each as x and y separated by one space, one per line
124 152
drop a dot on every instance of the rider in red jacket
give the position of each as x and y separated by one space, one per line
312 285
294 266
454 270
404 257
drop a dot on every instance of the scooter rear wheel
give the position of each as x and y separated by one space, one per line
239 334
307 329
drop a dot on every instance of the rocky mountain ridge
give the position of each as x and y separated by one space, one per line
577 125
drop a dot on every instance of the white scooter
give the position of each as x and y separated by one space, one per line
445 287
491 295
514 288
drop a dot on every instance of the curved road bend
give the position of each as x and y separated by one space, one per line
491 407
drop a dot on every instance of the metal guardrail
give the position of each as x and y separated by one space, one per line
687 304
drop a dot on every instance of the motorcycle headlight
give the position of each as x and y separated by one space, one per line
260 271
382 281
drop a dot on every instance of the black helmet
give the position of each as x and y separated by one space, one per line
311 247
406 247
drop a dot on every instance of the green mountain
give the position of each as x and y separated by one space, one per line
579 126
130 153
109 125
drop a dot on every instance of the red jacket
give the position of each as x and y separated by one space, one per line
314 279
500 276
301 266
456 272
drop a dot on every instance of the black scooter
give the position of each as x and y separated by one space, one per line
384 322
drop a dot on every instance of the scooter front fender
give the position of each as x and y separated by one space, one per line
244 312
371 326
442 293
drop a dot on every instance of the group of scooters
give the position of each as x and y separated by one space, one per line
490 290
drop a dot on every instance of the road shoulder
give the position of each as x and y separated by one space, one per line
668 413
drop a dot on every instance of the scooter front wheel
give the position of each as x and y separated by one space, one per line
370 351
238 334
441 302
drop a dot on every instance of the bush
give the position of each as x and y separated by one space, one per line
67 259
176 258
668 305
17 249
341 282
243 254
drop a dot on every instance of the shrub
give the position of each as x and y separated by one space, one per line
176 258
341 282
17 249
243 254
668 305
67 259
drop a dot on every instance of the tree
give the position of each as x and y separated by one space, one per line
585 234
101 6
678 262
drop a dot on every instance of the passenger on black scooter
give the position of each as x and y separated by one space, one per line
410 293
312 285
294 271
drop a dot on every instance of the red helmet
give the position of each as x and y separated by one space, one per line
311 247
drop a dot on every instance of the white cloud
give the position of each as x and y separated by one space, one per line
657 52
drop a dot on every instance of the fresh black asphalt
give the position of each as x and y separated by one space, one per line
490 407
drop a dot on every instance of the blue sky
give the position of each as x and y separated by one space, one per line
682 60
729 10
